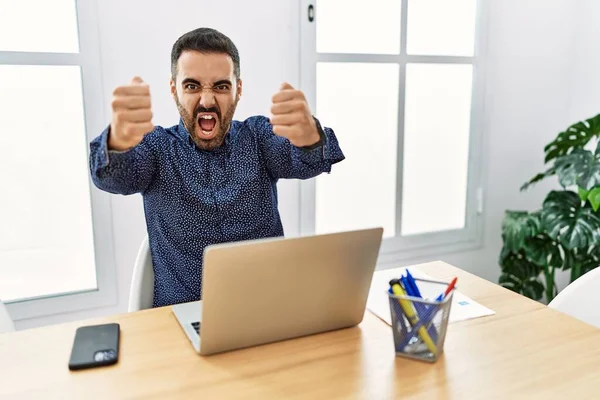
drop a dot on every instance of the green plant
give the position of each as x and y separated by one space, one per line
565 233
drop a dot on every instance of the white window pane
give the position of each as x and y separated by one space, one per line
436 147
441 27
353 26
361 191
46 239
38 26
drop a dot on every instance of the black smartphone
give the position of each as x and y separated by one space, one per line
95 346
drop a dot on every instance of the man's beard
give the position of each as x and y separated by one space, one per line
191 123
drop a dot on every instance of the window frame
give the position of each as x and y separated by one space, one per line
89 61
425 244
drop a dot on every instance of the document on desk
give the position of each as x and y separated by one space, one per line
463 307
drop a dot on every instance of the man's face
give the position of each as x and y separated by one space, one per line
206 93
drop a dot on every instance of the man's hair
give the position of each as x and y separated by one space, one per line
205 40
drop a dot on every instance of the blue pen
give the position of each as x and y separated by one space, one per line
412 289
412 282
407 286
415 291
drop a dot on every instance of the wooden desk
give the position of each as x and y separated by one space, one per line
526 351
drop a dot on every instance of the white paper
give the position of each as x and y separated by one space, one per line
463 307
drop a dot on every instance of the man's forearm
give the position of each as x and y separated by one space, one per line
116 171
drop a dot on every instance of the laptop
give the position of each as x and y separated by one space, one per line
262 291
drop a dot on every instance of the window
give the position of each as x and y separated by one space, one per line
399 81
50 96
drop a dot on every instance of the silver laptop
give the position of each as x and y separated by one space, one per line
262 291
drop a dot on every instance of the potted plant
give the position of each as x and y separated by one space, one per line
565 233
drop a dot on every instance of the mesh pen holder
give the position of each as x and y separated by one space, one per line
419 325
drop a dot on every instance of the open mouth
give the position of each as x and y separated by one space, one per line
207 124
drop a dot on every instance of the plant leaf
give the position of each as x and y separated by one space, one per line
538 178
578 168
570 259
543 251
517 226
576 136
583 194
567 166
589 176
520 275
568 222
588 258
597 152
594 198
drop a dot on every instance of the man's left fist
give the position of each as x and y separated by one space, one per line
291 117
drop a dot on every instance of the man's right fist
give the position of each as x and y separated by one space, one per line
131 115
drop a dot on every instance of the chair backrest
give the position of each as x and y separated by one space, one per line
6 322
581 298
141 291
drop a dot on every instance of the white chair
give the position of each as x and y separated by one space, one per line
141 291
6 323
581 299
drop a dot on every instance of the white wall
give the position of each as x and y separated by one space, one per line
586 63
542 76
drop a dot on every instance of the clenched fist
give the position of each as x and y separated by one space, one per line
291 117
131 115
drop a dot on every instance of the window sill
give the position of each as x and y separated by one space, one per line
61 304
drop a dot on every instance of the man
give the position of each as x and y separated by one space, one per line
209 179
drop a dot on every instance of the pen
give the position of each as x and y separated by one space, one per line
448 290
411 288
410 314
424 312
413 284
407 287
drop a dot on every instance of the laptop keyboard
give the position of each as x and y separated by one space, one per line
196 326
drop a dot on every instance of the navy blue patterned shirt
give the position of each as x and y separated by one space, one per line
194 198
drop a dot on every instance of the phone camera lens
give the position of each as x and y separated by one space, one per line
104 355
99 356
